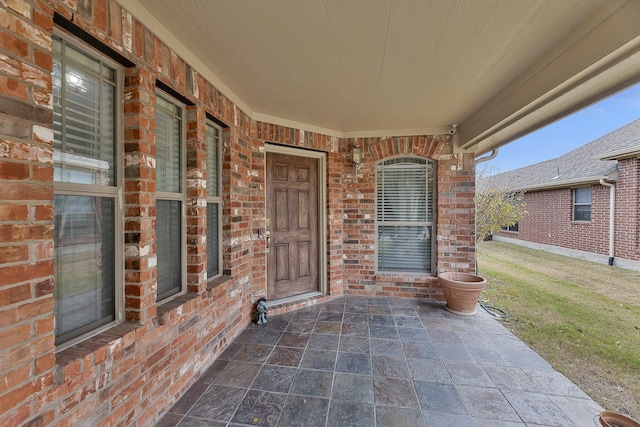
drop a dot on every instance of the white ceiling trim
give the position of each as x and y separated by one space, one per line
279 121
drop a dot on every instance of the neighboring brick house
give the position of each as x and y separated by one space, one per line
568 200
140 206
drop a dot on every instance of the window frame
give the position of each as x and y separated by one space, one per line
171 196
512 228
110 191
217 197
430 222
576 203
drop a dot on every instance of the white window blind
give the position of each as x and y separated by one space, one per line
213 159
170 223
168 149
582 204
405 199
84 264
168 235
214 245
84 108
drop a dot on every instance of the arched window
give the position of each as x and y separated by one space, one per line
405 189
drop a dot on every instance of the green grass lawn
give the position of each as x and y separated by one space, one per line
582 317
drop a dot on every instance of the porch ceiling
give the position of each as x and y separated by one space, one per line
497 68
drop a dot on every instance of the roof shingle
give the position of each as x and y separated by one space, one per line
582 165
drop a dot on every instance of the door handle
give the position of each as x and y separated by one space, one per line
268 234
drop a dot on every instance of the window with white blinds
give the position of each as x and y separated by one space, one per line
582 204
214 242
87 219
170 221
169 247
168 146
84 94
404 215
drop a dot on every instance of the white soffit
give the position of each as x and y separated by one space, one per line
399 67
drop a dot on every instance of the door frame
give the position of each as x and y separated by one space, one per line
322 213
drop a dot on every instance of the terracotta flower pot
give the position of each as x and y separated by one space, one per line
461 291
613 419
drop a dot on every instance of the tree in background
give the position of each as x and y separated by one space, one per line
497 206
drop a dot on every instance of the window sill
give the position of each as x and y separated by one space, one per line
401 275
79 358
218 281
174 308
185 303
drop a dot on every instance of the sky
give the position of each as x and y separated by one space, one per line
569 133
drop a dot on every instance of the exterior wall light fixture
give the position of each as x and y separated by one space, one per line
356 159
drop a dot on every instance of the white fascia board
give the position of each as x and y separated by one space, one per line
571 182
620 154
597 59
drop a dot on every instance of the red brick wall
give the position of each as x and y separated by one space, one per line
456 213
268 133
549 219
27 357
627 227
455 192
139 195
133 372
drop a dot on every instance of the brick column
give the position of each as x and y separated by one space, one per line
627 215
140 196
335 223
456 213
237 206
26 209
258 215
196 200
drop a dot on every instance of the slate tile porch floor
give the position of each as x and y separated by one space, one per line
381 362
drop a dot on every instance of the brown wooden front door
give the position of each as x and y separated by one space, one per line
292 222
